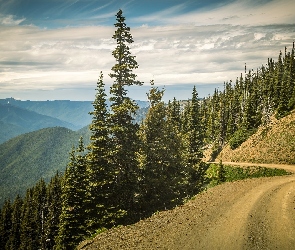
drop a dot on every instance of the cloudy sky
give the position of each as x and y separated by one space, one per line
55 49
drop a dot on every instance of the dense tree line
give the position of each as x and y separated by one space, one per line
233 114
32 222
129 170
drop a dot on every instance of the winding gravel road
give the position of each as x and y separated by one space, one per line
249 214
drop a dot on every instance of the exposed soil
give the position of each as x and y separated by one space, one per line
274 143
249 214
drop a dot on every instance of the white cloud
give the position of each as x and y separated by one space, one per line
201 48
10 20
238 12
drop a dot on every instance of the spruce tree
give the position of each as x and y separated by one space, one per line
152 186
72 226
123 129
174 115
40 213
53 204
16 217
194 141
159 158
101 210
6 224
291 103
29 234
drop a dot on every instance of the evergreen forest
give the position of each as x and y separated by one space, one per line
131 170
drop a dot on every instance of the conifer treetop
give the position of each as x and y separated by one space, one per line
125 61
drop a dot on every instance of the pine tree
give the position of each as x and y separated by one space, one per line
101 175
123 69
53 204
159 158
194 141
150 154
6 224
174 114
40 212
123 129
72 226
291 104
29 234
16 217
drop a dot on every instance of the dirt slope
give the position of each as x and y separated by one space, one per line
274 143
249 214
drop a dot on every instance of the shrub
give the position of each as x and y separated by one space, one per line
233 173
239 137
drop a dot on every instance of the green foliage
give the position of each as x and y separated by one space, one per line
16 218
5 223
158 157
123 129
218 173
193 142
239 137
54 208
72 225
232 115
97 232
29 234
125 62
25 223
101 210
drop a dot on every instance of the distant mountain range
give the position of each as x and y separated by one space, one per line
18 117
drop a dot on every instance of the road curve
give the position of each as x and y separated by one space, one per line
261 218
249 214
290 168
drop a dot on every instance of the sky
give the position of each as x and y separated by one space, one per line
55 49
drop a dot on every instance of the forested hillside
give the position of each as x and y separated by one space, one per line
127 171
28 157
232 115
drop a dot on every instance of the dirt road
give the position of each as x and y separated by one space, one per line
249 214
290 168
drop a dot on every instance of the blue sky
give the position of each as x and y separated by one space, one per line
55 49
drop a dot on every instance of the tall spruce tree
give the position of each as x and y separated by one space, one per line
194 141
159 158
53 205
123 129
72 226
16 217
29 234
5 224
40 213
152 186
101 210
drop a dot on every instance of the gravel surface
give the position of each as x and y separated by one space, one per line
249 214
